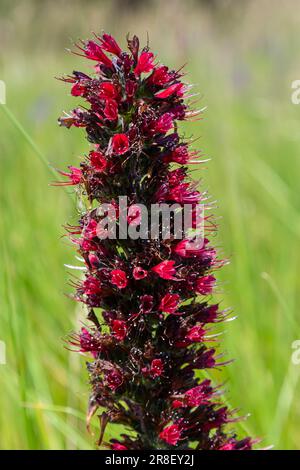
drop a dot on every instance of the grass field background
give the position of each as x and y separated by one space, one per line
242 57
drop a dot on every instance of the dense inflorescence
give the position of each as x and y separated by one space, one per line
148 300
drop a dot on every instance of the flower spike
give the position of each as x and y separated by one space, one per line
148 298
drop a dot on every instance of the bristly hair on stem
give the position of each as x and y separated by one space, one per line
150 313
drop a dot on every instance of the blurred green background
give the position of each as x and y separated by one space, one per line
243 57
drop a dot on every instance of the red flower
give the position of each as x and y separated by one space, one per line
86 245
179 155
107 90
90 231
177 89
183 194
195 334
119 329
205 284
134 215
228 446
120 144
118 278
74 118
98 161
188 248
156 368
118 446
164 124
77 89
92 286
94 260
195 396
220 417
165 270
111 110
139 273
114 379
109 44
130 88
145 63
233 444
169 303
159 76
175 177
75 177
94 52
88 343
171 434
199 395
146 304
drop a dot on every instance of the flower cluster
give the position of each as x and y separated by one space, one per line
148 300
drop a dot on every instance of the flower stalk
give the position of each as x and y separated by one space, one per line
150 314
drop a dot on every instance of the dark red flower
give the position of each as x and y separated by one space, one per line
119 329
146 303
233 444
164 123
107 90
189 248
169 303
179 155
139 273
156 368
94 260
195 334
113 379
118 446
88 343
111 110
90 231
159 76
183 194
195 396
109 44
130 88
165 270
75 177
92 286
175 177
94 52
98 161
120 144
118 278
134 215
85 244
219 418
77 89
199 395
171 434
145 63
205 284
175 89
